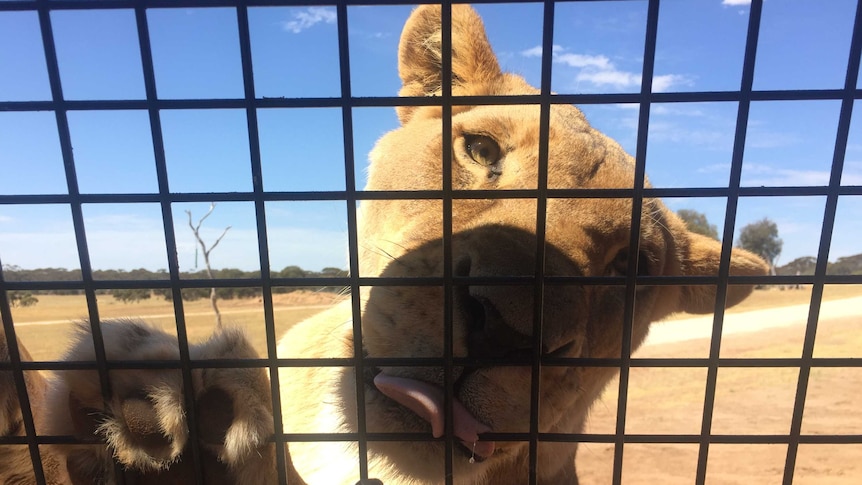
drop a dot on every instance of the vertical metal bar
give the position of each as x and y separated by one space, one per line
541 222
262 240
74 195
353 244
844 118
447 77
65 137
170 235
634 237
448 303
20 383
743 108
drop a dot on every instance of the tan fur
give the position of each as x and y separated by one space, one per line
16 466
144 421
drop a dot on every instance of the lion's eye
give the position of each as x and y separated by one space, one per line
620 263
482 149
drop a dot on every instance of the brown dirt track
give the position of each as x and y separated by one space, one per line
748 401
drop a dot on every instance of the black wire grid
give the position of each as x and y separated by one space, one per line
251 103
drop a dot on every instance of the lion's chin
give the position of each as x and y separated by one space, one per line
427 401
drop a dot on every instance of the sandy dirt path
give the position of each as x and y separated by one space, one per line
748 401
753 321
172 315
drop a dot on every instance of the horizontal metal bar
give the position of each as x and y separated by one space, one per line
739 439
276 283
393 101
338 195
16 5
823 362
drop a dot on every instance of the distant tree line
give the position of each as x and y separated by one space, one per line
13 273
761 237
848 265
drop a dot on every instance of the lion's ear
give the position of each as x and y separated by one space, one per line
420 54
702 258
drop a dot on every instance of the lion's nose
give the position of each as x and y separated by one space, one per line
498 318
488 334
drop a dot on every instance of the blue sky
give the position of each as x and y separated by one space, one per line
598 48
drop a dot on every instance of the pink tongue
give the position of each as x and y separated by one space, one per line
426 400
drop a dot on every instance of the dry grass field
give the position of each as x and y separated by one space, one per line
660 400
45 327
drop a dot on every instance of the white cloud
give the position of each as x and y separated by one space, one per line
570 59
4 219
537 51
598 70
677 110
768 139
624 79
852 174
629 106
369 34
533 52
612 77
734 3
45 248
715 168
308 18
680 134
755 174
582 60
664 82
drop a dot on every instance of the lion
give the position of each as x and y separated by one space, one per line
158 422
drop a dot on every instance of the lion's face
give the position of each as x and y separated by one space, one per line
497 148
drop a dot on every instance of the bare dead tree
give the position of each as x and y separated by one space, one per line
206 251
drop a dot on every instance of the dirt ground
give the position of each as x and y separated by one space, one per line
755 401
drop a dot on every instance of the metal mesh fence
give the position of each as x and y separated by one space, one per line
252 103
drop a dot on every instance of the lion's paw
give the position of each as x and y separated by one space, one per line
145 421
233 406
